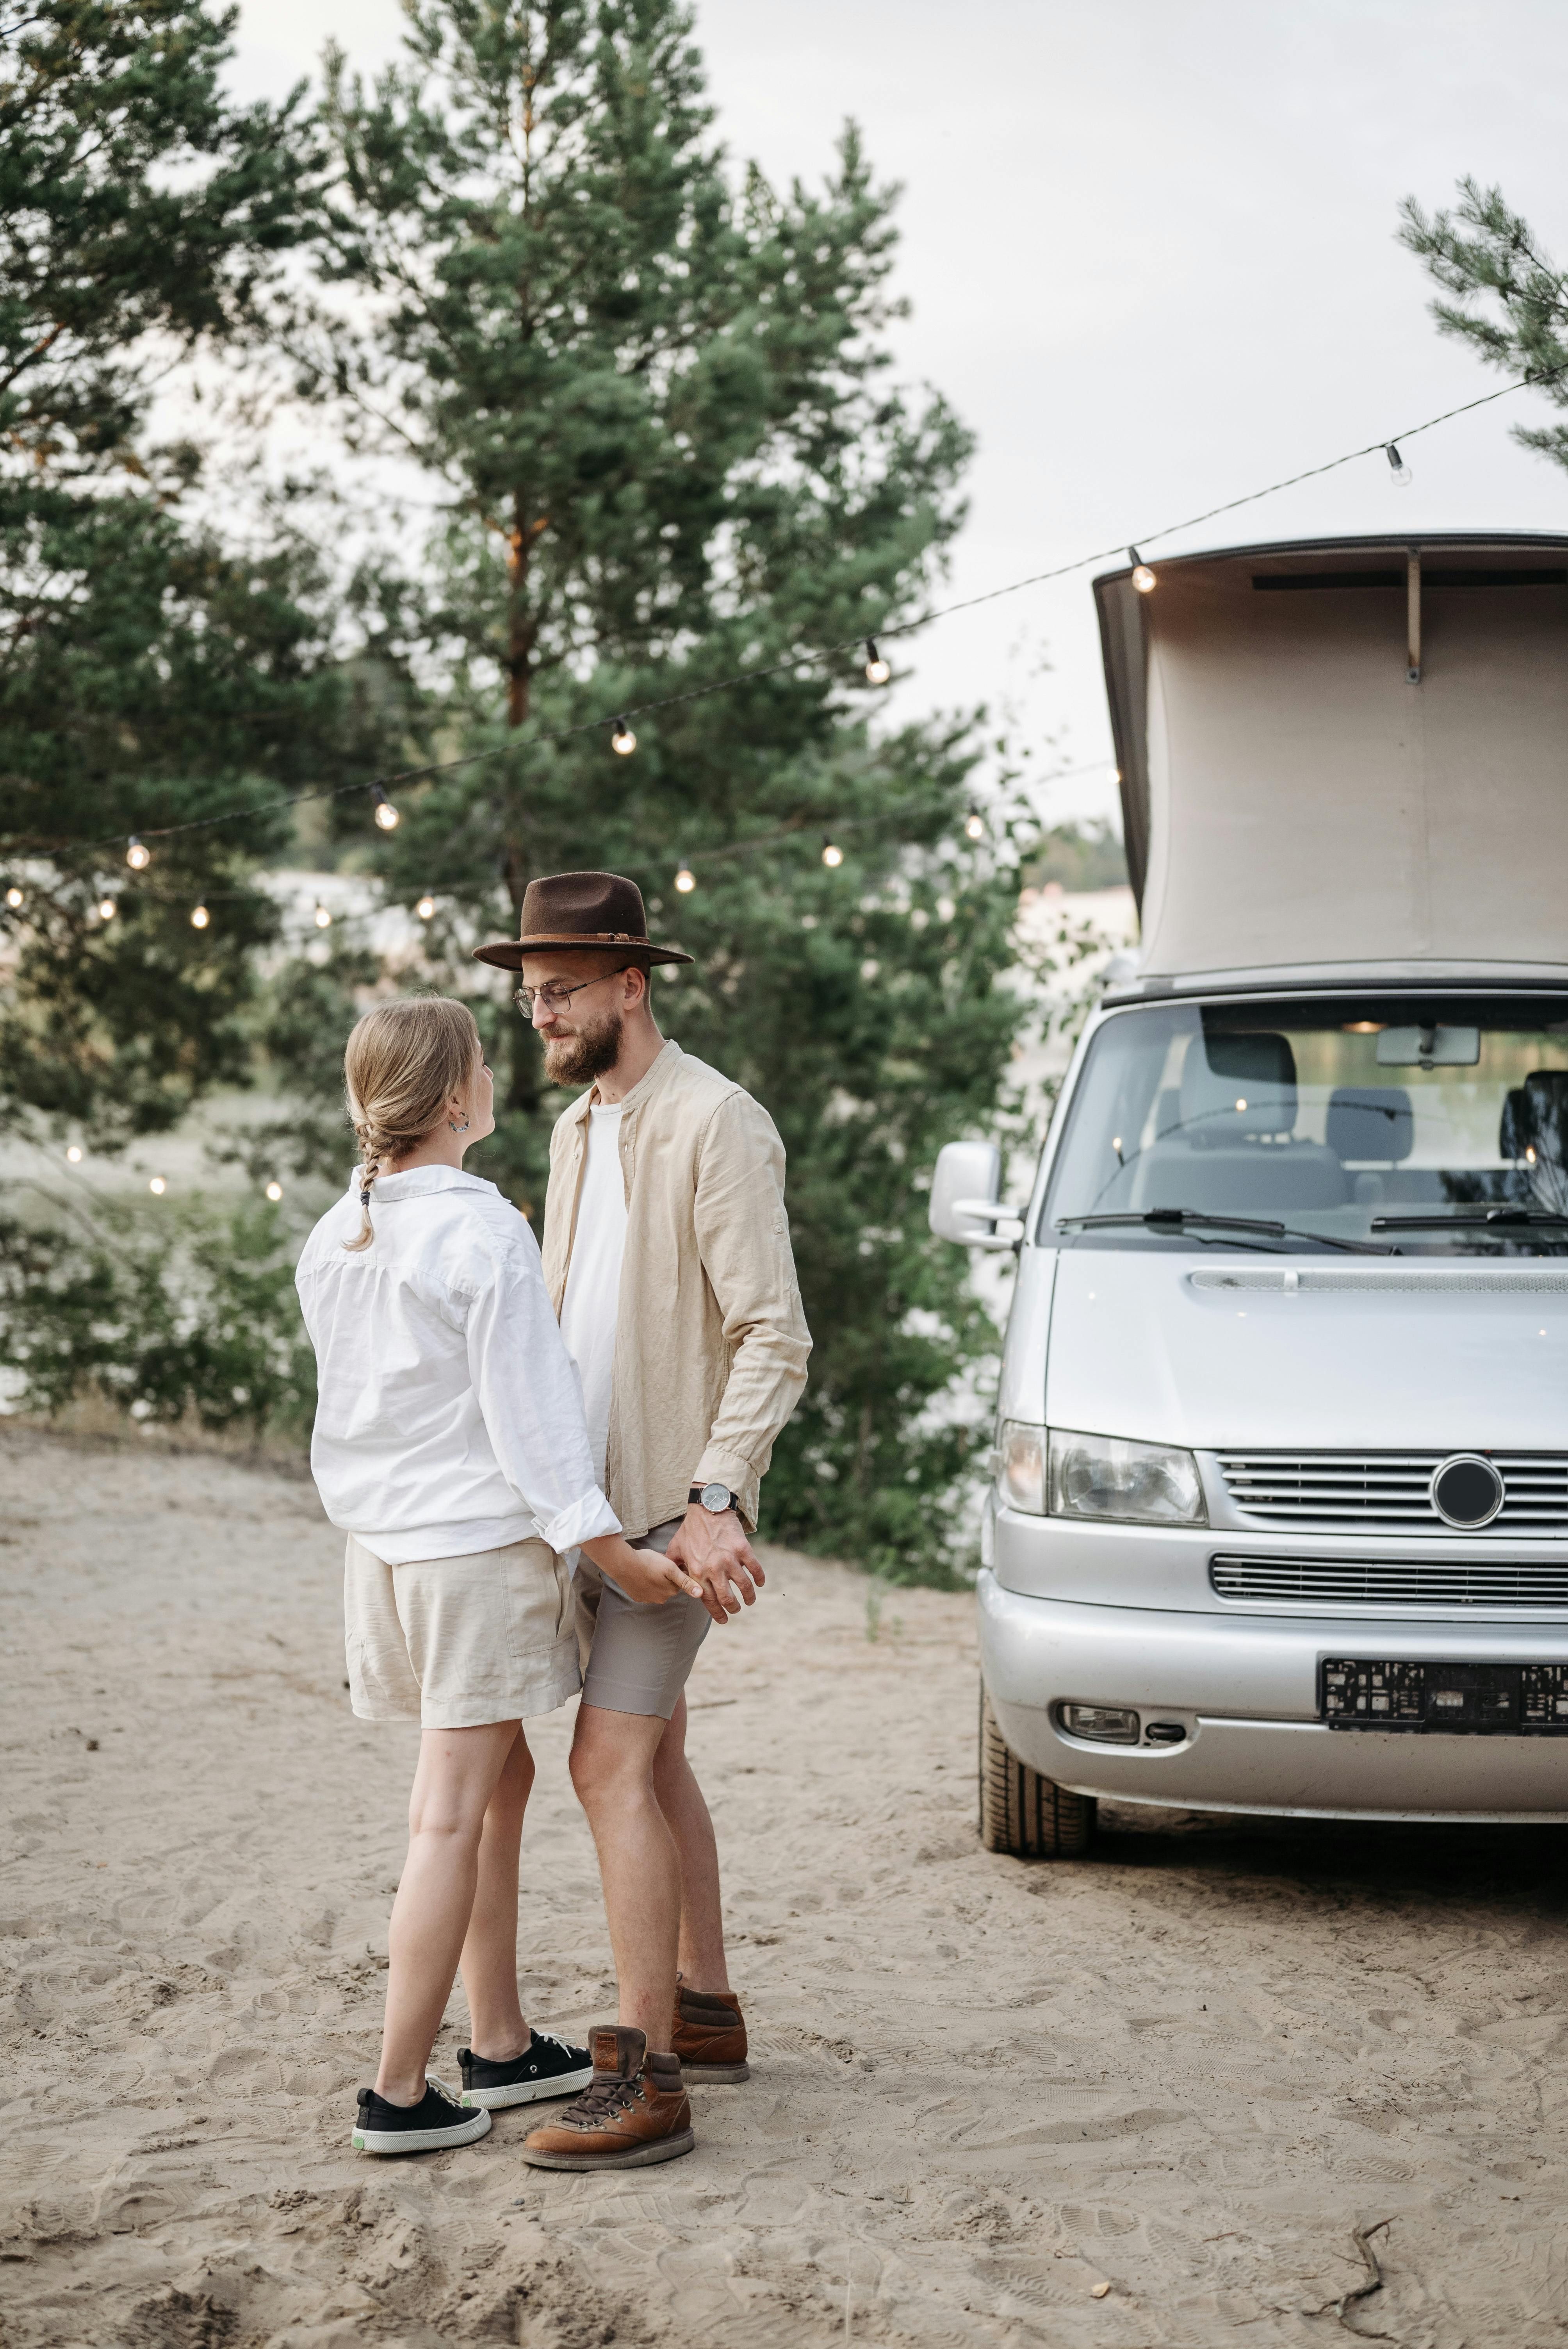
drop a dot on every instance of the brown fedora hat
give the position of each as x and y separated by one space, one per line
598 912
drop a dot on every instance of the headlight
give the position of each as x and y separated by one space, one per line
1021 1467
1107 1476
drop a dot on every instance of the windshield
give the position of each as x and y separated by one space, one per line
1414 1122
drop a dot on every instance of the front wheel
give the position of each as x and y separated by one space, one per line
1022 1812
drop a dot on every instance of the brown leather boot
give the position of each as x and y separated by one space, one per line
634 2111
711 2034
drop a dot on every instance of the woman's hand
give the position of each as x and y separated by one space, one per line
642 1574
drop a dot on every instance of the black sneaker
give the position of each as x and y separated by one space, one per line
437 2120
548 2067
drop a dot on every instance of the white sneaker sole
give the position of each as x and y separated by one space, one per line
421 2140
530 2092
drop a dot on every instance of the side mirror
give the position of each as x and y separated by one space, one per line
964 1202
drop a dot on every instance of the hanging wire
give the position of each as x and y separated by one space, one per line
808 655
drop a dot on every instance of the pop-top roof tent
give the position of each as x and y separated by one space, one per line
1351 753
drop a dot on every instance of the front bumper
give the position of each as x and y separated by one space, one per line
1244 1689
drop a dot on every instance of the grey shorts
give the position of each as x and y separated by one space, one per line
635 1659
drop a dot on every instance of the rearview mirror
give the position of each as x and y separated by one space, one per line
963 1196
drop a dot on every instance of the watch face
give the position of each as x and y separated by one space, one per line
715 1496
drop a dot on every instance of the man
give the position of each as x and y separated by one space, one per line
667 1257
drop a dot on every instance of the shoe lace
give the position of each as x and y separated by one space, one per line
601 2100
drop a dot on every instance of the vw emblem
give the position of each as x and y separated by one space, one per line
1466 1491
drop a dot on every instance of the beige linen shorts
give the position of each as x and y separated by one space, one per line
456 1642
636 1658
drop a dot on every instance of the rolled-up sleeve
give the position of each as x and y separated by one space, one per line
530 1396
743 1235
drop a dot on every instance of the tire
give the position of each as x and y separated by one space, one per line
1020 1812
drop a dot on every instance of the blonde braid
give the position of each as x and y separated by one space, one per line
373 1147
402 1063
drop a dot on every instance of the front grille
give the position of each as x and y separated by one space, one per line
1391 1582
1388 1489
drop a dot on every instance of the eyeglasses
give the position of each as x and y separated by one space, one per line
554 996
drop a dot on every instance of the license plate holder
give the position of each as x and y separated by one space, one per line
1419 1697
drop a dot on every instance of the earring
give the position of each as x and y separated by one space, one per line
455 1127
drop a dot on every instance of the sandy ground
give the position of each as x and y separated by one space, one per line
1197 2069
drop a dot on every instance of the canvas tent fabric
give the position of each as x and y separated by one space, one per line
1294 801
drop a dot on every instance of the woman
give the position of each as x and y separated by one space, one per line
449 1446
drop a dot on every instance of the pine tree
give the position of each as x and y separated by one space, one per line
152 670
659 398
1507 298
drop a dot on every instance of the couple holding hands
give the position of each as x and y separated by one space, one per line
488 1414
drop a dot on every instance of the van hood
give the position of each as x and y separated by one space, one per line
1212 1350
1309 736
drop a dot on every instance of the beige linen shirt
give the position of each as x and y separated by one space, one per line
710 1337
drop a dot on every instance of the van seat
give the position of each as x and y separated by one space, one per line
1371 1122
1236 1179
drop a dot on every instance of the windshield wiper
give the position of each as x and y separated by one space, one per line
1504 1220
1176 1219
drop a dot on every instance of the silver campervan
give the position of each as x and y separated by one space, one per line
1279 1517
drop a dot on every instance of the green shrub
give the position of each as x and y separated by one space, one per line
185 1312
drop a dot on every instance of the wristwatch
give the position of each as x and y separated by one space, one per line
715 1498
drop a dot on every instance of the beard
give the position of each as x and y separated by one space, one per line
591 1053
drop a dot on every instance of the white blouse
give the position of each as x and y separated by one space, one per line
450 1416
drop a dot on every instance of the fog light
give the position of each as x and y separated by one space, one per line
1111 1724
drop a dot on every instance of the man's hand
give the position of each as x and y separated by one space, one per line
644 1577
715 1550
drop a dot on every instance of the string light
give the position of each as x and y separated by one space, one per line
15 898
106 909
685 879
385 813
623 738
1143 577
425 909
274 1190
74 1154
877 670
1533 379
1399 474
974 824
138 857
158 1186
200 917
323 918
832 854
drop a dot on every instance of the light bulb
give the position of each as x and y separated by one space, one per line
425 909
15 898
877 670
685 879
74 1154
1399 474
832 854
107 909
1143 577
974 824
323 918
385 813
158 1186
137 856
623 738
274 1189
200 917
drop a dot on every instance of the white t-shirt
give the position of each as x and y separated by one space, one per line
592 1298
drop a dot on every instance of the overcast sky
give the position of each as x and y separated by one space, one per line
1149 246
